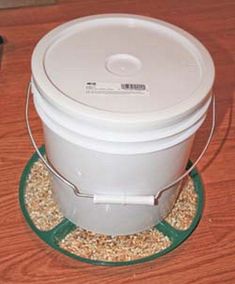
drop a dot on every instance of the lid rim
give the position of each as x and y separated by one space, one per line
178 111
164 117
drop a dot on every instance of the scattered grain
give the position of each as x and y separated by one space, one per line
42 208
45 214
184 210
119 248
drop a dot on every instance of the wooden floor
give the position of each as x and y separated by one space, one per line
208 256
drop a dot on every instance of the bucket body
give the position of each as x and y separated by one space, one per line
105 173
113 138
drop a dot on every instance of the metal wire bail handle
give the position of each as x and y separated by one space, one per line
115 199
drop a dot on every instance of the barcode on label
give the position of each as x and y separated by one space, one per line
115 88
138 87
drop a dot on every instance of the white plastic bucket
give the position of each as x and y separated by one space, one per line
121 98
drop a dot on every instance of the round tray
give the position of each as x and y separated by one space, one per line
55 235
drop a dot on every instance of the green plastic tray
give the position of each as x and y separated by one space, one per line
55 235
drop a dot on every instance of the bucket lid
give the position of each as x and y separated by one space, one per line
126 67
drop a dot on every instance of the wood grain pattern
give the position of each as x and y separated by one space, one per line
5 4
208 256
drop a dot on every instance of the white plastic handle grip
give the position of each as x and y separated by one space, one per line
124 199
113 199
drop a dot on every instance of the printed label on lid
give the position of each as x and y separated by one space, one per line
101 88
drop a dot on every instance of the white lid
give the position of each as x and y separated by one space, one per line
123 66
